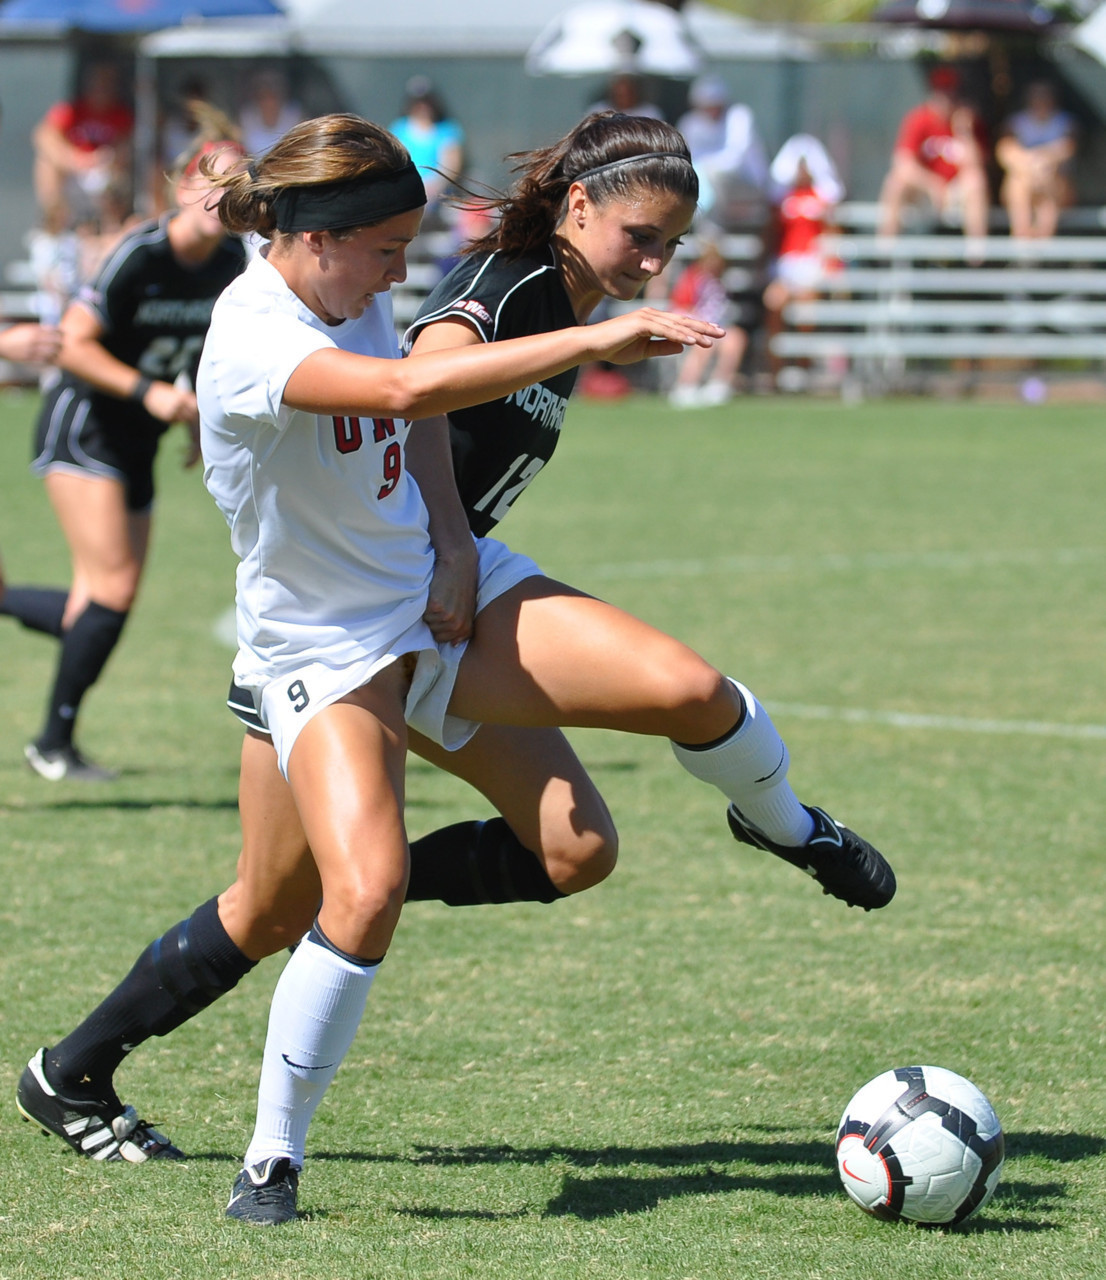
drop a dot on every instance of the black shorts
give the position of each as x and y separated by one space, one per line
71 435
242 707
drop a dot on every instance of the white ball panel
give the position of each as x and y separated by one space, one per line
924 1170
864 1175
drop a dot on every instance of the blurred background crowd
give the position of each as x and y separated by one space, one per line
980 120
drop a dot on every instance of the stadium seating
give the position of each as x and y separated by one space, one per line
887 312
888 306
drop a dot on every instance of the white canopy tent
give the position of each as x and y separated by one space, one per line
435 27
423 29
616 35
1090 35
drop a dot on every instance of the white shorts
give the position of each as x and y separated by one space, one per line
290 701
801 270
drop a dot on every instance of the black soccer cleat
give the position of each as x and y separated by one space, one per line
265 1194
66 764
845 865
89 1128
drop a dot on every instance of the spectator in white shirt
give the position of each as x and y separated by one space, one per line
723 140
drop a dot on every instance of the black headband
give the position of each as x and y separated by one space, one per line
642 155
350 202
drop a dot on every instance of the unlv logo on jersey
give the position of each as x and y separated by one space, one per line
348 438
347 434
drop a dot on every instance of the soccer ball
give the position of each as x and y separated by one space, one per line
921 1144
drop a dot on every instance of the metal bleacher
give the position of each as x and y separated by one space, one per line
892 306
895 311
889 313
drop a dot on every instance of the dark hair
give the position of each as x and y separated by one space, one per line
536 204
329 148
420 89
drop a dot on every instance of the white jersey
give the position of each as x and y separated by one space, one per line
331 531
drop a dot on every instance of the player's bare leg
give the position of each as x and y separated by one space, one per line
544 653
277 889
107 546
554 837
346 771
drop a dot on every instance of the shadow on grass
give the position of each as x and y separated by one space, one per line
592 1198
782 1168
1061 1147
466 1215
104 802
614 766
698 1153
1015 1199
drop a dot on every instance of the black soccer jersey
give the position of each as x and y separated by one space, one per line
499 447
154 312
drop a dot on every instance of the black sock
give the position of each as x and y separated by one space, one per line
476 862
37 608
85 647
177 976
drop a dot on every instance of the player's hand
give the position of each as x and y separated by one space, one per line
647 332
192 452
30 343
451 606
171 403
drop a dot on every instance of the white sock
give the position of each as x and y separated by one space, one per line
750 768
315 1013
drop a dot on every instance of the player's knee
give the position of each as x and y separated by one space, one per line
586 860
704 705
118 588
367 903
360 917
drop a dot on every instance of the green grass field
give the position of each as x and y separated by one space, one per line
643 1081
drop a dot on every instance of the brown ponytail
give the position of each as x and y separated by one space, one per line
536 204
214 131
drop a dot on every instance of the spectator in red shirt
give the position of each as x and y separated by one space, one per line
938 156
82 149
806 190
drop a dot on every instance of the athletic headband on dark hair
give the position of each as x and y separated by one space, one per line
643 155
349 202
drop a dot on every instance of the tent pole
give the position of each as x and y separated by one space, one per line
145 132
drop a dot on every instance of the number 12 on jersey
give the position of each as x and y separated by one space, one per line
521 471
